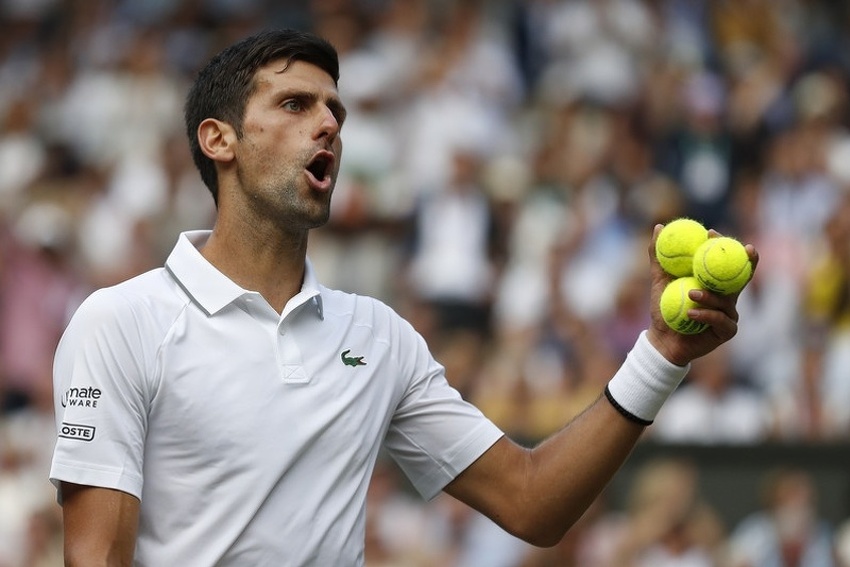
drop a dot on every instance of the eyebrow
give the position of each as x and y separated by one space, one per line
334 103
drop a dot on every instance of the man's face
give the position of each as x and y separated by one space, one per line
289 154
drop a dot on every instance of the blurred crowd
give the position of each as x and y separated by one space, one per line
504 164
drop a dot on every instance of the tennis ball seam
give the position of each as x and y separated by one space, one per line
712 265
735 276
682 311
676 257
676 295
676 244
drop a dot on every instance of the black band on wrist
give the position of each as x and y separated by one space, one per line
623 411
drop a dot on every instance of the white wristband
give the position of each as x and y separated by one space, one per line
644 382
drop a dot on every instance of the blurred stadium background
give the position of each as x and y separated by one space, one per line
504 164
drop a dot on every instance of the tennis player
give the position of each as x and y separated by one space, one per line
227 409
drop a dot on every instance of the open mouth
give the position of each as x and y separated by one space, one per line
320 166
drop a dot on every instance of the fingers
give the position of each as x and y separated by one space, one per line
754 256
725 304
651 248
722 326
656 271
718 311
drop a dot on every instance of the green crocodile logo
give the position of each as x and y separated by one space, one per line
352 360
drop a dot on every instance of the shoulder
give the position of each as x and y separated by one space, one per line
147 300
117 331
362 309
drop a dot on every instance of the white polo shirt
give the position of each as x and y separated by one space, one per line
249 436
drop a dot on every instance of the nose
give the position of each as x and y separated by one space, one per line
329 125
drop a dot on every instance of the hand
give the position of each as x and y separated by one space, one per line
718 311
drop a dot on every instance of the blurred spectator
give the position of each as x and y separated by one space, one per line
125 104
38 291
457 249
596 247
788 531
767 354
827 325
467 87
30 521
798 192
666 522
593 49
698 154
539 214
23 153
750 29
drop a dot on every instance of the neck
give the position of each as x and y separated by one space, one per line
271 264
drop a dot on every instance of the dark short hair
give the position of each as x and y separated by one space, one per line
222 88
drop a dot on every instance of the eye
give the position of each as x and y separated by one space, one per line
293 105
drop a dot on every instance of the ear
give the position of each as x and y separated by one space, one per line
216 139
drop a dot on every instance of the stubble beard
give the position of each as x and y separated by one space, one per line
290 203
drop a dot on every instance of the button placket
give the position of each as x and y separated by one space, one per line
289 357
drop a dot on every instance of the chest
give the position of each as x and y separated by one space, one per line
240 389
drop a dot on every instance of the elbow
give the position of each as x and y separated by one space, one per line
537 517
544 540
532 529
541 538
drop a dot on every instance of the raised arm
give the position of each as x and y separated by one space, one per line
100 526
537 494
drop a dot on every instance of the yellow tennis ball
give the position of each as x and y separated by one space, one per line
722 265
675 303
676 244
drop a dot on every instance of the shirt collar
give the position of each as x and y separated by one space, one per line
212 290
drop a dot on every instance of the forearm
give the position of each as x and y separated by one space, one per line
99 526
570 469
538 494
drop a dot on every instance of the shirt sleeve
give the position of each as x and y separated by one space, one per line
100 397
434 434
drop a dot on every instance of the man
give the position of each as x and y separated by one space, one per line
228 410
